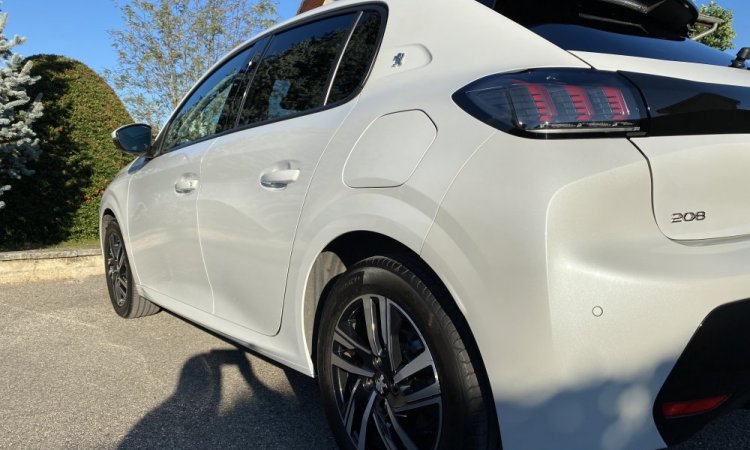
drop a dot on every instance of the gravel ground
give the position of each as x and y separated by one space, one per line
76 376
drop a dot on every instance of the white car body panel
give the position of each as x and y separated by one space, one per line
411 133
547 350
695 174
163 233
552 250
529 327
247 229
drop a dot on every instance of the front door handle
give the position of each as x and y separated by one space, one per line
279 178
186 184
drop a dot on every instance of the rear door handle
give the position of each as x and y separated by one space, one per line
186 184
275 178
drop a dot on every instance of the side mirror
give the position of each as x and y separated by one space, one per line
133 139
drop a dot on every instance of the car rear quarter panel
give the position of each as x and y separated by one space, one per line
500 243
579 304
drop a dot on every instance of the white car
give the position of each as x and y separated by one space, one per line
522 224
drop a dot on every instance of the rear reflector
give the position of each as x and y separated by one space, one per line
548 103
691 407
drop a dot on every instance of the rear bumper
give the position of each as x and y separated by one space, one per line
579 304
716 363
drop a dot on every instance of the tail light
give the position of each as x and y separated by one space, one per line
688 408
557 103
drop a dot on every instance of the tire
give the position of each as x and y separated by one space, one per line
125 299
420 389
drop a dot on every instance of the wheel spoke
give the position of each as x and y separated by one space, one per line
350 407
392 344
370 307
422 361
400 432
382 428
365 420
348 341
113 247
416 405
432 390
341 363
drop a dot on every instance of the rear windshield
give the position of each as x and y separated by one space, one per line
586 39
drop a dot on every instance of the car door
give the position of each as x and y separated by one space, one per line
163 227
255 180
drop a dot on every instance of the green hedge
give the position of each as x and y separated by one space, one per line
60 202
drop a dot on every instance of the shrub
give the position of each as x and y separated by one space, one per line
78 157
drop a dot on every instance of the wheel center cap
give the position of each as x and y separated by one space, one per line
381 386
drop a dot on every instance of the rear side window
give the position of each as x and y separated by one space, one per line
294 73
358 56
207 112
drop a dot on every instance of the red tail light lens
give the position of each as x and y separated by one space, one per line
556 103
688 408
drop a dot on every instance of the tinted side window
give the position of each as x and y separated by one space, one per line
207 112
239 86
294 72
358 55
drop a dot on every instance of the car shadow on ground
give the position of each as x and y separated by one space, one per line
194 416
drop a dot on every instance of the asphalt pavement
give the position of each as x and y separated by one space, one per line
73 375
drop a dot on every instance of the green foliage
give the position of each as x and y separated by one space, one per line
167 45
18 143
78 160
723 38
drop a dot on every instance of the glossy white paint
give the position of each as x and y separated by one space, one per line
247 228
577 220
163 227
408 135
693 174
531 237
700 174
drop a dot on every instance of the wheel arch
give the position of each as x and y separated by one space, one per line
339 254
349 248
106 212
352 247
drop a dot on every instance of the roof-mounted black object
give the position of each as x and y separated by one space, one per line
742 56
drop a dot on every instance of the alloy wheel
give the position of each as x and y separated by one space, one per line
384 377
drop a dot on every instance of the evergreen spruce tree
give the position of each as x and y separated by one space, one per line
18 142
